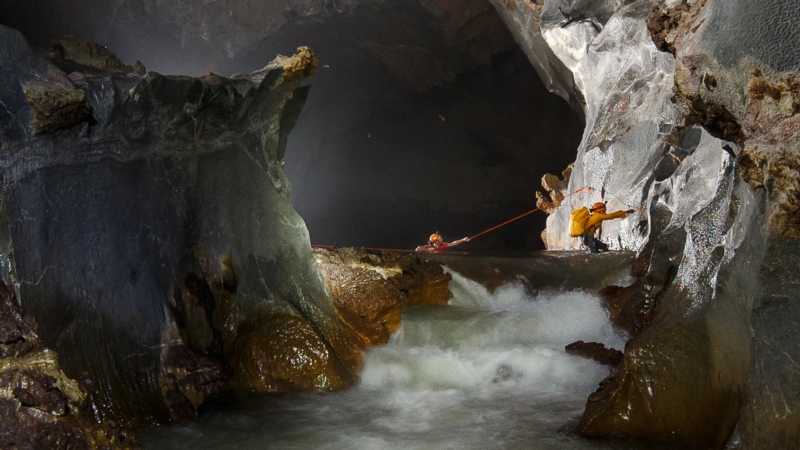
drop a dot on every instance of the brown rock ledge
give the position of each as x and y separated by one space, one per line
370 290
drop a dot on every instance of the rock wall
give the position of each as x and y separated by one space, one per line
147 225
698 129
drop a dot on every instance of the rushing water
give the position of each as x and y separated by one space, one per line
486 371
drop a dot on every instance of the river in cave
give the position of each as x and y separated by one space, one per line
487 370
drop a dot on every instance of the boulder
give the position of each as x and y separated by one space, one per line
55 108
370 290
550 182
284 353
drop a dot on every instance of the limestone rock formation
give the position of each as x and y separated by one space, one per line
146 222
524 19
699 130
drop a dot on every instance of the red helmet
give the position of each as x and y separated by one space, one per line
599 206
434 237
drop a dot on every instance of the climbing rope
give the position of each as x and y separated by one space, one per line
620 200
529 212
332 247
583 189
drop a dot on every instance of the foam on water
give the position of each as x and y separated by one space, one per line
488 370
482 339
563 316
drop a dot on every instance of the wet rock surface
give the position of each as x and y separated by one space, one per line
371 290
40 407
595 351
770 415
283 353
630 308
683 121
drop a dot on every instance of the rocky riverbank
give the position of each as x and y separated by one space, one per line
40 406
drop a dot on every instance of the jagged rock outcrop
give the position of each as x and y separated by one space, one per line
524 19
700 130
753 88
91 54
148 225
556 189
40 406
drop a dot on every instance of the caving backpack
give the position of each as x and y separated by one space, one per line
577 221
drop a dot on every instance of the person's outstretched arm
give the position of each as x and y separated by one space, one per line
460 241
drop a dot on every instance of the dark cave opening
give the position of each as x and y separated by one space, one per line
412 125
457 159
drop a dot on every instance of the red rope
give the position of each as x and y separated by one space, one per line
504 223
331 247
472 237
525 214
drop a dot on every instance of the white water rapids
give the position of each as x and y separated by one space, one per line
486 371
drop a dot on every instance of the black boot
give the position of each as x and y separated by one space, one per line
591 243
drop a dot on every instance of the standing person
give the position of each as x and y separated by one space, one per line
592 224
437 244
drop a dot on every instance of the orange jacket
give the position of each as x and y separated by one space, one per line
593 222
